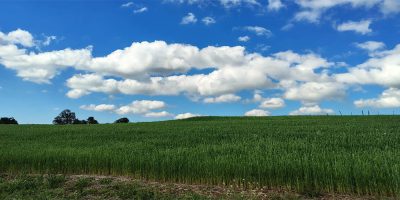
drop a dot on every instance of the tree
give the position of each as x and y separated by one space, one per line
77 121
65 117
91 120
8 120
122 120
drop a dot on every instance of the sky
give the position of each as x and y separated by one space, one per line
152 60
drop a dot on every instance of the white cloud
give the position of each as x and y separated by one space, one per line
257 113
234 3
9 51
140 10
186 115
311 10
258 30
312 110
228 4
313 92
140 107
217 83
41 67
48 40
99 108
127 5
208 20
190 18
243 38
234 70
158 114
272 103
257 96
361 27
20 37
262 47
151 68
136 7
222 99
275 5
390 7
312 16
371 46
390 98
382 69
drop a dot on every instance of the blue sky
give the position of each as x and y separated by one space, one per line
166 59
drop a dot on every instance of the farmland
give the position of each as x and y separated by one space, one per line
351 154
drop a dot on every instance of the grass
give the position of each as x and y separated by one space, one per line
37 187
311 155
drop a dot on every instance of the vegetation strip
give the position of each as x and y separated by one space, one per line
58 186
315 155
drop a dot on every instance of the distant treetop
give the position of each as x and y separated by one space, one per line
91 120
68 117
8 120
122 120
65 117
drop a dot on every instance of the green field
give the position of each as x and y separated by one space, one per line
357 155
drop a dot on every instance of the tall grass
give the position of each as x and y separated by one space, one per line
332 154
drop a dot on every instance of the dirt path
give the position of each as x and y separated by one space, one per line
120 187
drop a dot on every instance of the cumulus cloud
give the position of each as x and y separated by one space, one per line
311 10
208 20
258 30
312 16
186 115
371 46
150 68
272 103
140 107
190 18
390 7
41 67
48 40
257 113
20 37
313 92
382 69
99 108
312 110
234 70
243 38
389 98
257 96
222 99
275 5
361 27
158 114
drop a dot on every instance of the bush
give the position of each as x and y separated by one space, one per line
122 120
77 121
92 120
6 120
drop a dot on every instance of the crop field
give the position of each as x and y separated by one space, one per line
350 154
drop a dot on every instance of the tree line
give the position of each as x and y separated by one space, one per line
64 118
